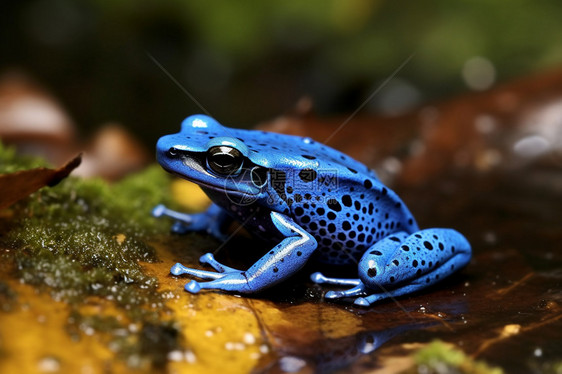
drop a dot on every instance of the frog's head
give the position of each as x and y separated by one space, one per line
204 153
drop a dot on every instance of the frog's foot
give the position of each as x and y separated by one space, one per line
228 276
161 211
211 221
387 294
224 278
285 259
352 292
370 299
358 289
209 259
403 264
179 269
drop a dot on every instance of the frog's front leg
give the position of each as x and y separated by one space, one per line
212 221
401 264
281 262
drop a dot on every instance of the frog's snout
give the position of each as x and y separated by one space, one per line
163 147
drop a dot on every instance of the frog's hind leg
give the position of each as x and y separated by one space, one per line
401 264
416 285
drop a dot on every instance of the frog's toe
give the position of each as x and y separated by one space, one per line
320 278
361 301
355 291
209 259
317 277
371 299
333 295
193 287
159 210
178 269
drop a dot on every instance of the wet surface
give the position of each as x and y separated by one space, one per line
514 278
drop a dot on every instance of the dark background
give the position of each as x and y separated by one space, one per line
248 61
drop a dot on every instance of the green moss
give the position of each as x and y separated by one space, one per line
10 161
85 238
438 357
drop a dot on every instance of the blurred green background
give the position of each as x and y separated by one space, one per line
248 61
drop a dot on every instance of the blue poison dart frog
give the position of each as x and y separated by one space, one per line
311 202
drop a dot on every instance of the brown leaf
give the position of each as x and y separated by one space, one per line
18 185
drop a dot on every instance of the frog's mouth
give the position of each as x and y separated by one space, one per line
191 167
224 188
229 185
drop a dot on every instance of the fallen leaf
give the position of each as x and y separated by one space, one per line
18 185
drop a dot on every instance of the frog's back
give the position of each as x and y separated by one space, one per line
272 149
350 218
335 198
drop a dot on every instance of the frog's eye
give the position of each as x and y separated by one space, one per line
224 160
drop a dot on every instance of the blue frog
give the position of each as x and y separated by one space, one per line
311 202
